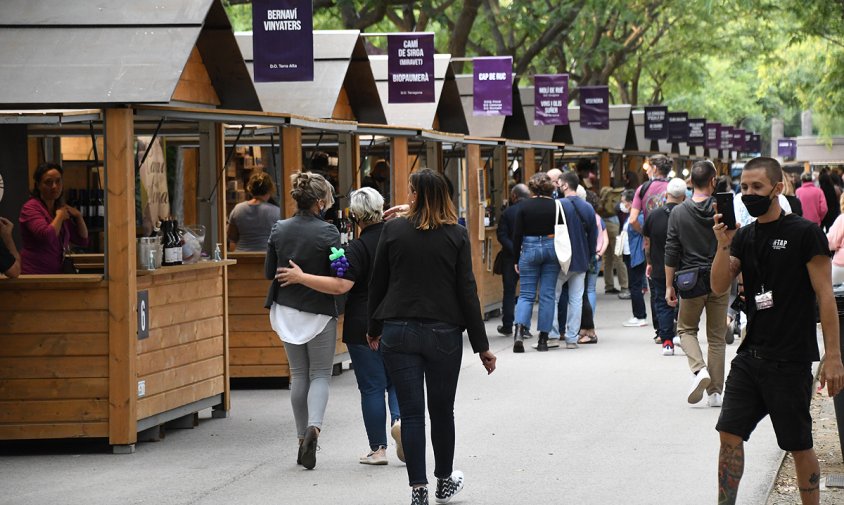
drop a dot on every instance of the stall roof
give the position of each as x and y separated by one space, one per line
243 117
91 54
410 114
816 150
619 136
450 114
340 63
49 116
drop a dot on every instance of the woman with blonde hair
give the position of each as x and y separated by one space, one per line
304 318
835 236
366 206
793 201
422 296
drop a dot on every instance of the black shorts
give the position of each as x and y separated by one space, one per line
759 387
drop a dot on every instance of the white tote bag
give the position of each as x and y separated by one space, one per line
619 243
562 243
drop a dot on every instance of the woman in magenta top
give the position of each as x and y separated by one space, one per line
48 226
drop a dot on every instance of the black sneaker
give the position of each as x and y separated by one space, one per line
527 334
419 496
447 488
505 330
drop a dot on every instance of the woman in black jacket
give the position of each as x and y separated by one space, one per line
305 319
423 295
366 206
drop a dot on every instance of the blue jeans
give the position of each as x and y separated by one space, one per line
591 282
538 267
429 352
571 305
636 279
509 278
663 314
373 382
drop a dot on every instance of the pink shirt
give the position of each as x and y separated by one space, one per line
836 240
813 201
43 251
654 197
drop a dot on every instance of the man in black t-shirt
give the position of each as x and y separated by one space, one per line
655 231
784 261
10 260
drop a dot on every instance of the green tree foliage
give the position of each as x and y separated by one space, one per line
739 62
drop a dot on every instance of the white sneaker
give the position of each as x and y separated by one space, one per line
699 384
378 457
676 341
668 350
447 488
635 323
715 400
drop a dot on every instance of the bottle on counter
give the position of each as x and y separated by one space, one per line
344 228
172 243
100 209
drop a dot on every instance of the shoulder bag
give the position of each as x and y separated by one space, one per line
562 242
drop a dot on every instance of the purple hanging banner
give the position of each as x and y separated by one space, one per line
493 86
656 122
410 68
595 107
738 139
726 138
713 135
787 148
678 126
551 99
283 40
756 144
697 132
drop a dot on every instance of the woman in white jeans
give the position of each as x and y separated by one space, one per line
836 245
305 319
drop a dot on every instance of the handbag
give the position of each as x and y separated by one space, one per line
619 243
692 282
562 242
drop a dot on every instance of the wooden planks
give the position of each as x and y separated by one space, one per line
183 360
53 359
195 85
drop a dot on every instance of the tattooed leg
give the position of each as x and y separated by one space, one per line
730 468
808 476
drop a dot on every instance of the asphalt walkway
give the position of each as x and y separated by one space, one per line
603 424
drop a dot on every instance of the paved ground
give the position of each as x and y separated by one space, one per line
603 424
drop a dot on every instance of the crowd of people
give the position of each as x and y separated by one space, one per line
672 239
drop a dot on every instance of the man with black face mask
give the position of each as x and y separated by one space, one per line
784 261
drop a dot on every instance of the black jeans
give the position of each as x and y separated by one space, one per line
429 351
509 278
636 276
663 314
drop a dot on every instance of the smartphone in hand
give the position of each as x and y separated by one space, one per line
726 209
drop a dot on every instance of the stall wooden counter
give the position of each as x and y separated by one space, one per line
490 287
255 349
57 358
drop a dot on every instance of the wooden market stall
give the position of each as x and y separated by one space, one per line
122 350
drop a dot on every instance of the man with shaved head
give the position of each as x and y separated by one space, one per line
554 174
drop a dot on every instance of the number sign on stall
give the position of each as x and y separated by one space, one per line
143 314
493 86
595 107
551 99
410 68
283 40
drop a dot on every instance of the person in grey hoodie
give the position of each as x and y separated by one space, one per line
689 249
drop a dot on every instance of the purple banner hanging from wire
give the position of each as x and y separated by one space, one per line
283 40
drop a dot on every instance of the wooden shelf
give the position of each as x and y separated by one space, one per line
202 265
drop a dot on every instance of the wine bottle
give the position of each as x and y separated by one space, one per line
100 208
344 228
172 244
82 205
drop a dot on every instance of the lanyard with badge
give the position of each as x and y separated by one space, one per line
764 297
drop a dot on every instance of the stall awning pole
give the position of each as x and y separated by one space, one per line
222 171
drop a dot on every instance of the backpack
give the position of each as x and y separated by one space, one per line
608 200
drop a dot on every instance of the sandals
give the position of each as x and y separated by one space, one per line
587 339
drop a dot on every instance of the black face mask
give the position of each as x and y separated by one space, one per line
757 205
